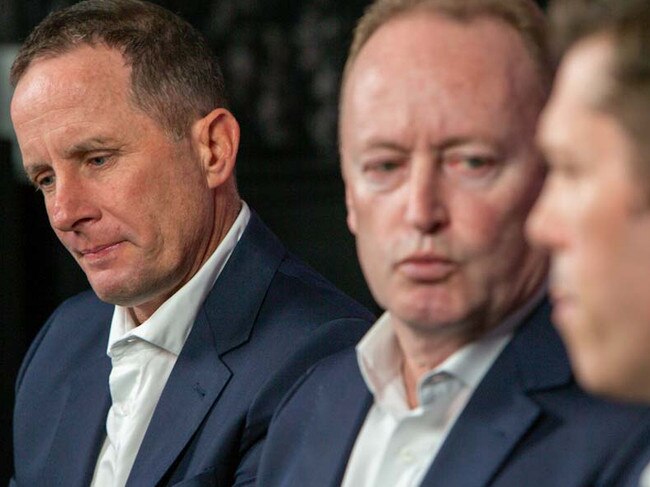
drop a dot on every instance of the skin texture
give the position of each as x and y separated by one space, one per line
139 211
440 171
593 216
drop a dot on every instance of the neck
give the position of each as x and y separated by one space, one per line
424 348
228 210
421 355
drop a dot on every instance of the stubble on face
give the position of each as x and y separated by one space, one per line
127 200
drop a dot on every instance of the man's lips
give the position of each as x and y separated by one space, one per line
98 251
427 267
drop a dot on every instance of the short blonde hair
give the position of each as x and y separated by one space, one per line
524 16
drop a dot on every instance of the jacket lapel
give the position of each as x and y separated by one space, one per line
346 410
194 384
81 430
501 410
224 322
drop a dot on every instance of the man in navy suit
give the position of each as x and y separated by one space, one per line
463 382
168 372
594 212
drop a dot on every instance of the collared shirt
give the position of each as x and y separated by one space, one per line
143 357
644 481
396 444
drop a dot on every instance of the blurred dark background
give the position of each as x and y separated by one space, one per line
282 61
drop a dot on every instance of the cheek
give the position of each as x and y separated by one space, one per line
375 217
377 230
374 239
598 235
485 228
611 357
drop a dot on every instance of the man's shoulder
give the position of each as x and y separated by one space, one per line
79 314
629 463
336 367
79 322
84 302
289 285
335 378
307 290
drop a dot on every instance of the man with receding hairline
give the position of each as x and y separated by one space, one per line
198 321
463 381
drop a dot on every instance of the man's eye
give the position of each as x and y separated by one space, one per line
382 167
387 166
44 182
476 162
98 161
470 165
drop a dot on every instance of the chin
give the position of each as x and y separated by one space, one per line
119 293
613 381
430 318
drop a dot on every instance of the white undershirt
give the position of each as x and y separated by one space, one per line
396 445
143 357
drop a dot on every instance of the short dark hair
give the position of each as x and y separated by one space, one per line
175 77
626 23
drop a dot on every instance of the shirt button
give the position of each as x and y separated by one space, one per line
427 396
122 409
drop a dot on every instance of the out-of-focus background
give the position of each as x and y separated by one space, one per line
282 61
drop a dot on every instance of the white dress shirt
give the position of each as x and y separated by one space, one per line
396 444
645 477
143 357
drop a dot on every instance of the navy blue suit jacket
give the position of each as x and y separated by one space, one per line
527 424
266 320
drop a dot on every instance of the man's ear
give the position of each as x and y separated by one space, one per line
217 138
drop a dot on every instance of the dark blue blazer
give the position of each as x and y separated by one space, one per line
267 319
631 459
527 424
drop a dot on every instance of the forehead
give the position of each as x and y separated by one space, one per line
582 83
583 79
423 69
88 78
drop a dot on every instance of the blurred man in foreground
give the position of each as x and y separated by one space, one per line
463 381
199 320
594 213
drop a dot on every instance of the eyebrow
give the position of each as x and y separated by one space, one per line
32 169
381 144
86 146
75 150
445 145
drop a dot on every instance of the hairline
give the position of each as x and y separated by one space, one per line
543 73
544 68
131 94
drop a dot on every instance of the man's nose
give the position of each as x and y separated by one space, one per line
544 223
71 204
426 208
